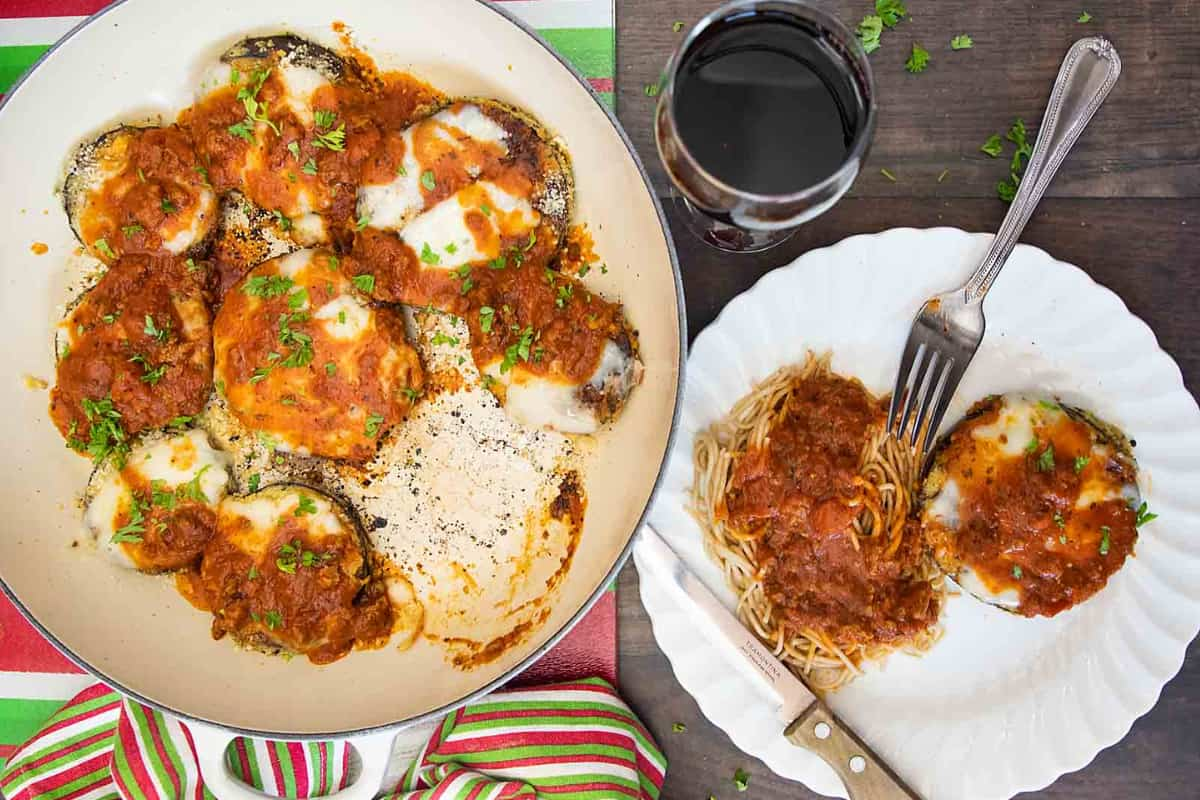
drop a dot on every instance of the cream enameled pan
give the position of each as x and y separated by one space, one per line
138 634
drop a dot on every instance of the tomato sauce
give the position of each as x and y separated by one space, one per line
795 494
175 526
1021 525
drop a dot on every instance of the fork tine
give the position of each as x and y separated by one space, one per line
953 378
906 382
921 398
923 427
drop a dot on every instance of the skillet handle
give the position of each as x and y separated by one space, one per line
374 753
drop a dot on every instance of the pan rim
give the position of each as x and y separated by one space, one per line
602 586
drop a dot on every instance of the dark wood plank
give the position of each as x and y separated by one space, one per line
1145 142
1126 208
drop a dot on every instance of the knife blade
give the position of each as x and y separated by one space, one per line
810 723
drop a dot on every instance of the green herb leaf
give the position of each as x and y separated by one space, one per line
1017 572
192 490
676 26
153 331
304 505
267 285
962 42
918 60
887 174
487 316
1105 539
1059 521
293 147
167 206
741 779
324 118
427 180
869 31
101 245
1080 463
1144 516
310 167
374 421
330 368
429 256
130 230
1032 446
678 727
274 619
993 146
365 283
890 11
334 140
363 221
1085 18
132 530
253 482
1045 462
411 393
652 89
283 222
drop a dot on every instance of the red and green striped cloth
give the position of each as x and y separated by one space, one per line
581 30
575 741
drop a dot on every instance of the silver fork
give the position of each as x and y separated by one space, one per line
949 327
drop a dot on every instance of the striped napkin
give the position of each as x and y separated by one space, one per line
35 679
576 741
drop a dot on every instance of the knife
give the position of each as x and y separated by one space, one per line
810 723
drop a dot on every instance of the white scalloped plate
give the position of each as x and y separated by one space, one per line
1001 704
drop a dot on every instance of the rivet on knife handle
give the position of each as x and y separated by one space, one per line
864 774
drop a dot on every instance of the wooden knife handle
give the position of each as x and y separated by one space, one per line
863 773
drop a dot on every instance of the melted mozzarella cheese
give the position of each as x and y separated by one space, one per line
944 506
175 461
391 206
200 222
263 510
293 263
540 402
344 317
1012 430
444 227
300 83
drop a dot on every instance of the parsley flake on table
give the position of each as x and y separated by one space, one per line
888 174
652 89
678 727
869 31
677 26
741 779
1084 18
890 11
918 60
962 42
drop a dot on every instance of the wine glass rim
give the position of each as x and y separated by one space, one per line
805 10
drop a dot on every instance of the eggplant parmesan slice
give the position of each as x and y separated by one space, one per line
157 511
139 191
1032 505
309 363
288 569
134 354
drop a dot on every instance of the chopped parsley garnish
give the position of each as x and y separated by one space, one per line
253 482
412 394
297 299
203 173
467 285
167 206
150 374
191 489
532 241
242 130
887 174
334 140
918 60
304 505
487 315
1017 134
365 283
741 779
109 319
1080 463
518 350
324 117
962 42
1084 18
1032 446
890 11
499 262
441 338
342 317
942 175
427 180
332 262
401 171
192 266
486 209
105 434
565 291
130 230
1045 462
652 89
583 269
1048 405
293 147
452 248
1105 540
678 727
676 26
159 495
1059 521
256 111
604 269
869 31
102 247
1017 572
274 619
428 255
260 374
488 380
330 368
154 332
374 421
1144 516
252 573
363 221
180 422
132 530
267 285
301 354
993 146
283 222
310 167
234 76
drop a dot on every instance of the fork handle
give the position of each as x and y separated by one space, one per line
1087 75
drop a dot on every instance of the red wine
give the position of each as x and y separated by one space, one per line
769 103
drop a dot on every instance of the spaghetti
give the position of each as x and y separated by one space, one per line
807 505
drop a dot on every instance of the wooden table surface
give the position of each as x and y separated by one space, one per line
1125 207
